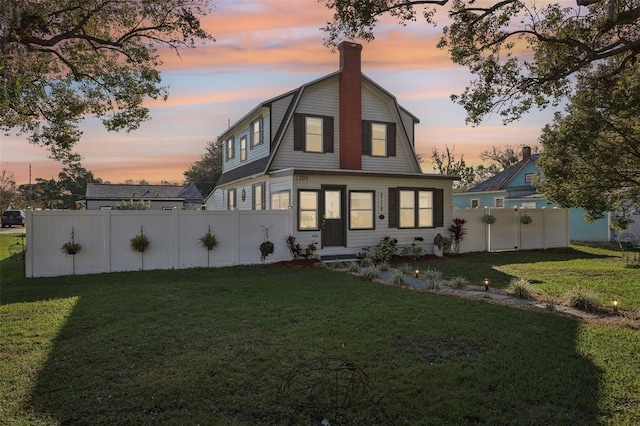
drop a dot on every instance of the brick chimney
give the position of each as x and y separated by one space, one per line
526 152
350 106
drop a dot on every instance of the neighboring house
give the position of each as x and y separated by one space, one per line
102 196
339 152
515 187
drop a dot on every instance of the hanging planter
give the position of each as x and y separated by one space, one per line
208 241
526 219
140 243
489 219
266 247
71 248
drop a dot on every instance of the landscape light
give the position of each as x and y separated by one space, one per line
615 305
486 284
417 273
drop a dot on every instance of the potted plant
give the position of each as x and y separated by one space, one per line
489 219
139 243
526 219
208 241
266 247
438 245
71 248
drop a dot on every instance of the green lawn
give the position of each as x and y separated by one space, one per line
215 346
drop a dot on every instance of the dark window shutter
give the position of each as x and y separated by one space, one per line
253 196
261 124
393 208
438 205
391 139
298 132
233 147
252 142
327 134
366 137
264 195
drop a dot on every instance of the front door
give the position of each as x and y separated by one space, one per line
332 210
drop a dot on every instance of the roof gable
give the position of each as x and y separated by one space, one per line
502 180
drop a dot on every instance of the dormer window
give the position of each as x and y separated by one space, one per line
230 148
378 139
243 148
256 133
312 133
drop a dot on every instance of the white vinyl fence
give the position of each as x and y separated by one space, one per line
173 236
549 228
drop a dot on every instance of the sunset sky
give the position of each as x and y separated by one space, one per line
264 48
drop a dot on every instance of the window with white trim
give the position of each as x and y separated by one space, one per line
416 207
230 148
307 210
498 203
258 196
280 200
231 199
312 133
475 203
361 209
256 133
243 148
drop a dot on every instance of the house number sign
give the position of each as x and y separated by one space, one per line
302 178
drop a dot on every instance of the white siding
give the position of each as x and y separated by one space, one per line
357 239
321 99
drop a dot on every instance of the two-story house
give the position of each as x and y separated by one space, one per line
338 151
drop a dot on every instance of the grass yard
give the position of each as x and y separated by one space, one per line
215 346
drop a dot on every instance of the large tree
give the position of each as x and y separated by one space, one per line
591 154
522 53
61 60
205 172
72 182
446 164
10 196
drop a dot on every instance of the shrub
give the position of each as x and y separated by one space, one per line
398 278
353 267
459 282
369 272
457 232
385 249
366 262
432 278
413 251
405 268
520 288
582 298
384 266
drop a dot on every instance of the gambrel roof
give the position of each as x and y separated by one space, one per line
263 165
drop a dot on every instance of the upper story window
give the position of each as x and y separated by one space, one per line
530 177
312 133
378 139
416 208
475 203
256 133
230 148
243 148
498 203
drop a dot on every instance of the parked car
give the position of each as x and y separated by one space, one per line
13 217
